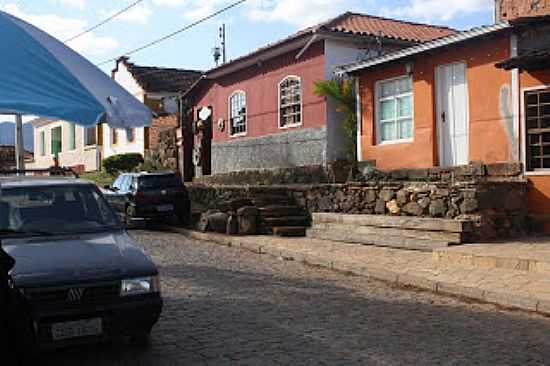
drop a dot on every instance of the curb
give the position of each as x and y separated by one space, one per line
504 300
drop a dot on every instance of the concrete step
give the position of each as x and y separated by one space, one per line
400 222
267 200
285 221
346 236
280 211
289 231
442 236
516 256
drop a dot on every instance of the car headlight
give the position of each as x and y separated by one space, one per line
140 286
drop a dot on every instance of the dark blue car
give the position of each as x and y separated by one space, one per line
82 275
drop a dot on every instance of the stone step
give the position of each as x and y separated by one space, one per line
401 222
400 242
534 258
443 236
289 231
280 211
267 200
285 221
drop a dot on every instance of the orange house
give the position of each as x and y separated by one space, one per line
481 95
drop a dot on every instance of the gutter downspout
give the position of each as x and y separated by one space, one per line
358 117
517 152
307 45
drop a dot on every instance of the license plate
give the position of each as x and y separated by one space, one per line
77 329
165 208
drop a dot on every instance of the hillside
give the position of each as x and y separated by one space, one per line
7 135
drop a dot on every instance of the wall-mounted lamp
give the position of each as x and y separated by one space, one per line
409 68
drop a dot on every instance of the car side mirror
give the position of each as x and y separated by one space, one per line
108 187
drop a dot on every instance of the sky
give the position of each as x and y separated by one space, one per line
249 25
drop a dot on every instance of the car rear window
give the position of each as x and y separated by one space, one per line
159 181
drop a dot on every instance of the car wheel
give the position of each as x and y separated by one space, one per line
128 214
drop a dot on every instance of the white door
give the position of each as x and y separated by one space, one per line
452 114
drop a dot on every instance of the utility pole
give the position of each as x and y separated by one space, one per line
19 146
222 37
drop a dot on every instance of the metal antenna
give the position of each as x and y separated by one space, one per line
222 37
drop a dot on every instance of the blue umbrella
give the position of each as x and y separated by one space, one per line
41 76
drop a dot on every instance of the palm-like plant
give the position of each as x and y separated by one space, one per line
343 92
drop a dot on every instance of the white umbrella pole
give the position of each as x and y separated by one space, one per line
19 144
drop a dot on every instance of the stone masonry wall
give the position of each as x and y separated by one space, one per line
493 197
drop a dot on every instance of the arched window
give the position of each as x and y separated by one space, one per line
290 102
237 113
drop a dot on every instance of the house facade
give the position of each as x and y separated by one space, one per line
460 99
84 148
261 111
74 146
152 86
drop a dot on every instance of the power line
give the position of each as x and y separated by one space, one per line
104 21
164 38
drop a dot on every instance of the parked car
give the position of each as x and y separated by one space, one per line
149 196
82 275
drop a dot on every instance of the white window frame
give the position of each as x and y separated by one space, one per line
42 142
378 99
296 77
72 137
230 127
523 137
85 132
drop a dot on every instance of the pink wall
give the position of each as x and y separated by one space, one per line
261 86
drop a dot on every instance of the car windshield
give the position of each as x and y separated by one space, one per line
56 209
159 181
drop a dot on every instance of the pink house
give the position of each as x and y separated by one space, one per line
260 110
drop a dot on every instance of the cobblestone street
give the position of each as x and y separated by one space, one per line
225 306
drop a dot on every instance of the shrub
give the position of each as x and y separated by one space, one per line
122 163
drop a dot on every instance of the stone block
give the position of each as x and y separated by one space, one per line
505 169
387 195
413 209
380 206
468 206
232 225
438 208
393 207
217 222
402 197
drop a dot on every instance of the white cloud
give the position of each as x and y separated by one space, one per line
138 14
434 10
301 13
80 4
65 27
170 3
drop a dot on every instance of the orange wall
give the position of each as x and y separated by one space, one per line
489 139
539 194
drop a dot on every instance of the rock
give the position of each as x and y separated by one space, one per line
393 207
424 202
387 195
468 206
217 222
370 196
402 197
232 227
474 169
413 209
504 169
203 224
380 207
438 208
324 204
248 211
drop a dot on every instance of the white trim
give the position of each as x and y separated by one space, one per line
308 44
515 99
359 118
279 103
377 99
239 134
524 133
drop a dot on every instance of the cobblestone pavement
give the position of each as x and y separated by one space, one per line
225 306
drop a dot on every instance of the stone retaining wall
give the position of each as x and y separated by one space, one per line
497 209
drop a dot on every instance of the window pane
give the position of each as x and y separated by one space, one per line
404 85
388 89
404 106
387 131
387 110
405 129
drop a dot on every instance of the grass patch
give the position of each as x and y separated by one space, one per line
101 178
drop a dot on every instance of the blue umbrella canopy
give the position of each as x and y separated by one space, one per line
40 75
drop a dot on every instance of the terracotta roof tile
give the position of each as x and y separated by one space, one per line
368 25
159 79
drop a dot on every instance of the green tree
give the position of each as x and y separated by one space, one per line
343 92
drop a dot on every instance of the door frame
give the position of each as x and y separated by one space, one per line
438 103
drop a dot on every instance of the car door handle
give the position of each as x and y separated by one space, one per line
443 117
